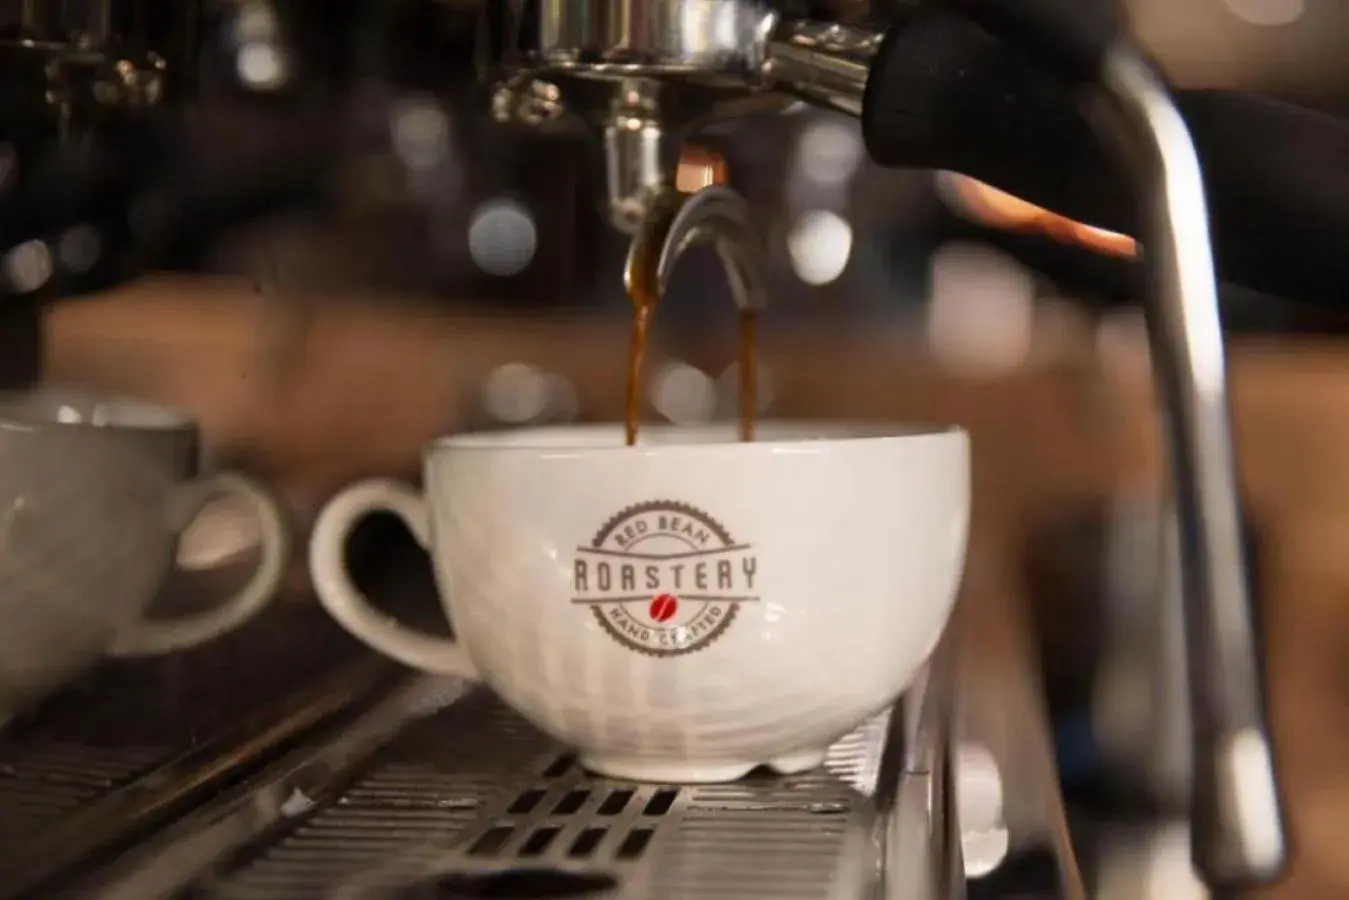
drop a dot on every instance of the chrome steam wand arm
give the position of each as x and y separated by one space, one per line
1236 821
905 103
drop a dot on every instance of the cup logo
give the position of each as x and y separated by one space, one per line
664 578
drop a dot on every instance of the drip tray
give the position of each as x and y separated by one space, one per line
136 745
42 783
471 801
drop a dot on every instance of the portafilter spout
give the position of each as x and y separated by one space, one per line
971 85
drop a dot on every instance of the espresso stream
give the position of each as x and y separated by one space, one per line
644 308
644 292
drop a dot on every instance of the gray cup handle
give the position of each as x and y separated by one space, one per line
165 635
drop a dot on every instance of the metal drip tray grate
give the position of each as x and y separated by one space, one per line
41 782
135 745
475 791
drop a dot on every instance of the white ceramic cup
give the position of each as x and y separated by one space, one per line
95 493
684 610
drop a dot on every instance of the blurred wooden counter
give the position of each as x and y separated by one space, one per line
356 390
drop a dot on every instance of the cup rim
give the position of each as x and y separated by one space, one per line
606 438
18 408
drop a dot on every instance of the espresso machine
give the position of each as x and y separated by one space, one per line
374 785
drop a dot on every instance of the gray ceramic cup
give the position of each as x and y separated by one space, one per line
94 493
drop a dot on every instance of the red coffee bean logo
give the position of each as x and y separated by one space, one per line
663 608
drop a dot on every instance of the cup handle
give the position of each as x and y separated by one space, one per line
337 593
158 636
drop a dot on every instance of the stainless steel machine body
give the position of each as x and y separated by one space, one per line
645 73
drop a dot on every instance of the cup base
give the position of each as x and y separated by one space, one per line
661 771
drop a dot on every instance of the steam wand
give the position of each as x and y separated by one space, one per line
1236 821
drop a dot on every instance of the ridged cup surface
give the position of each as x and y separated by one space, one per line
693 607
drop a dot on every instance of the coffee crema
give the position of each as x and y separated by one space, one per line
644 293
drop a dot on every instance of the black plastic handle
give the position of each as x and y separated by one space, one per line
946 94
1071 36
